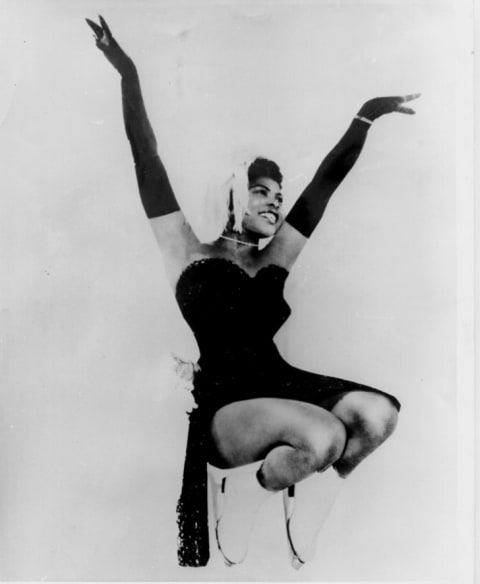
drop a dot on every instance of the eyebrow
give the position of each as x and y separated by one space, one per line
260 186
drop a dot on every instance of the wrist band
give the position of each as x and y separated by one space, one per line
362 119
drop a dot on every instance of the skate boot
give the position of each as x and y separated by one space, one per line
307 505
237 497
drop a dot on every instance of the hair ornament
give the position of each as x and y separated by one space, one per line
238 195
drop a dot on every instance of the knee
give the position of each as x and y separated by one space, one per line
325 444
375 418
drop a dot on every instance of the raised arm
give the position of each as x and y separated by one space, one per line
310 206
171 230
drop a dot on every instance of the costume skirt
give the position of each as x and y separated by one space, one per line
210 394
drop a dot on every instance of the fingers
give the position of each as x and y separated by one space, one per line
103 34
406 98
405 110
399 101
96 29
105 27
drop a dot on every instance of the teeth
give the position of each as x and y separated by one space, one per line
270 217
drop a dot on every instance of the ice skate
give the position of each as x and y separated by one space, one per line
237 497
288 506
306 506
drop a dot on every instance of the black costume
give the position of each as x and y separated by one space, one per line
220 303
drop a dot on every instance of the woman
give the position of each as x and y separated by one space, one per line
253 407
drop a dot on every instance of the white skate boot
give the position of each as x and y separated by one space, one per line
306 506
237 497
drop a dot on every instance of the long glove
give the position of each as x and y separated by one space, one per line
155 190
310 206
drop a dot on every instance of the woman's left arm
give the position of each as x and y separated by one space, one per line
310 206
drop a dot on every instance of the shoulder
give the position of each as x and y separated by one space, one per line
178 243
177 264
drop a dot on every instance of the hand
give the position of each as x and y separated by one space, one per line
374 108
109 46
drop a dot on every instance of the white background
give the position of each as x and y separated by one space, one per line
93 429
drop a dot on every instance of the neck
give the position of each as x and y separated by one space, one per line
239 241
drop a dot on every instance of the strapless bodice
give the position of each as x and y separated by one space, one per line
233 315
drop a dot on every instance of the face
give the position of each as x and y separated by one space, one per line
263 215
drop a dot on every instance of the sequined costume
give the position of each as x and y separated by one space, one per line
238 360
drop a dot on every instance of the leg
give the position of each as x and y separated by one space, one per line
370 418
295 439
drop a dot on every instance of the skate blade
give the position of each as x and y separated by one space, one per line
227 562
296 562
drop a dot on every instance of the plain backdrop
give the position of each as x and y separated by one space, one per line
93 424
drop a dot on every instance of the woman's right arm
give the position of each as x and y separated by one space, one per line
173 233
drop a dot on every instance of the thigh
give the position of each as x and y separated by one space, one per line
245 431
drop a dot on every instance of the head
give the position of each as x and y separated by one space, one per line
255 199
263 214
264 168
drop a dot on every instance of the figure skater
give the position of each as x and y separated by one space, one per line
255 413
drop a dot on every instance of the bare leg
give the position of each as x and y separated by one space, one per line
294 438
369 418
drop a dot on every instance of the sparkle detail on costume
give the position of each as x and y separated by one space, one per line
234 317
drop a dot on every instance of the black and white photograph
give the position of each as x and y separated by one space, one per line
236 298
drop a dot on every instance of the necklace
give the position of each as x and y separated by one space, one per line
239 241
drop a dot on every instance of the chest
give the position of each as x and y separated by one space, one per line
215 294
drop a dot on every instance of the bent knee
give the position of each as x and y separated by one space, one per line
381 420
325 443
369 414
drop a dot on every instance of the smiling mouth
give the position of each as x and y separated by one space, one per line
270 217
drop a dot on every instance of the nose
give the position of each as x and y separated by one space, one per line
275 202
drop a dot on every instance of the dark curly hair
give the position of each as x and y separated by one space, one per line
264 168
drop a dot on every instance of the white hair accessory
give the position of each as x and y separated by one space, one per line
227 196
238 195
